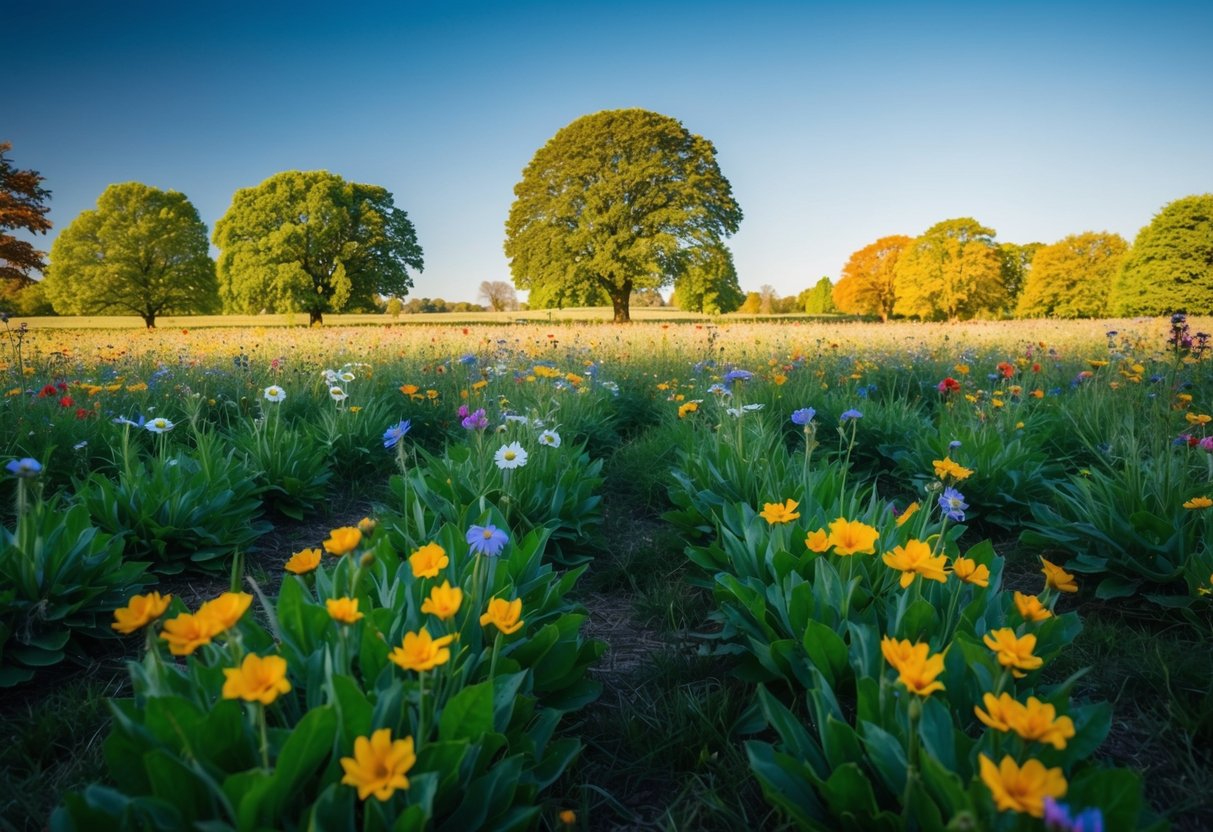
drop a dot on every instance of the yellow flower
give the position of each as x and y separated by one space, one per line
303 561
910 511
849 537
817 541
1030 608
140 610
895 652
1198 502
1038 721
915 559
422 652
344 610
784 512
409 389
504 615
1058 578
186 633
367 526
971 572
1000 711
226 610
962 369
1021 789
257 679
1013 651
689 407
568 817
1198 418
379 765
946 467
343 541
443 602
427 560
918 673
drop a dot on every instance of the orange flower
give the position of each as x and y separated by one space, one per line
504 615
420 651
343 610
1021 789
140 610
303 561
1038 721
1198 502
257 679
443 602
849 537
910 511
379 765
895 652
343 541
1030 608
971 572
427 560
946 467
186 633
919 672
1058 578
775 513
1000 711
1014 652
915 559
226 610
817 541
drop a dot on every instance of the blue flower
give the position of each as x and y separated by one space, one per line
737 375
467 359
953 504
954 444
803 416
487 540
122 420
393 435
850 414
24 468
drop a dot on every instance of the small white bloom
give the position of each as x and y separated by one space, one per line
330 377
347 376
512 455
337 394
274 393
80 446
159 425
550 438
755 406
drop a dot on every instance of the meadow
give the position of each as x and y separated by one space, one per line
479 573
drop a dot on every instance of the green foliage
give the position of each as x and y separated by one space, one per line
1170 267
288 465
952 271
819 300
60 580
181 510
1017 263
1072 278
616 201
142 252
709 283
309 241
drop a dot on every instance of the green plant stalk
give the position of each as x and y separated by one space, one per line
915 712
493 660
420 709
265 742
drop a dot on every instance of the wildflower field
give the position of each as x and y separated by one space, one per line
683 575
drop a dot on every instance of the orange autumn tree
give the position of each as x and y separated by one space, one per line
867 286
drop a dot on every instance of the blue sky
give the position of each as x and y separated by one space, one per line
836 123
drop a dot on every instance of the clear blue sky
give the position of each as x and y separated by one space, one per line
837 123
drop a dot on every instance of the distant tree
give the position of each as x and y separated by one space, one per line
709 283
1016 261
142 251
27 300
817 300
752 305
650 298
767 298
22 205
1170 267
1073 278
309 241
394 307
498 294
618 200
868 285
952 271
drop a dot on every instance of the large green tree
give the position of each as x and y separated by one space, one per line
817 299
22 206
1016 263
1170 267
709 283
616 201
868 283
142 251
309 241
952 271
1072 278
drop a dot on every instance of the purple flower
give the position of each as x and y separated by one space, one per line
393 435
463 411
1057 818
803 416
487 540
953 504
477 420
737 375
25 468
1206 444
849 414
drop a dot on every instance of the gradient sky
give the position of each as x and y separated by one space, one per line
836 123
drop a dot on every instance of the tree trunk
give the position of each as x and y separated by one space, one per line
620 302
314 317
149 318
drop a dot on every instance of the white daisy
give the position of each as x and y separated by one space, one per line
509 456
274 393
337 394
550 438
159 425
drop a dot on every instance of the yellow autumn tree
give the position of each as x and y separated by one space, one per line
1073 277
952 271
867 286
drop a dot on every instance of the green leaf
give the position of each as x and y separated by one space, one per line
468 714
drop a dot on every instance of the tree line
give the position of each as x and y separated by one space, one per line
617 206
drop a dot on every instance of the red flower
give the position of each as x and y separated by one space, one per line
48 391
1006 369
948 385
66 401
1036 368
81 413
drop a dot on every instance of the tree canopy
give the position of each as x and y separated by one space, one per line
1072 278
818 299
1170 267
616 201
952 271
22 206
709 284
309 241
142 251
868 283
499 294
